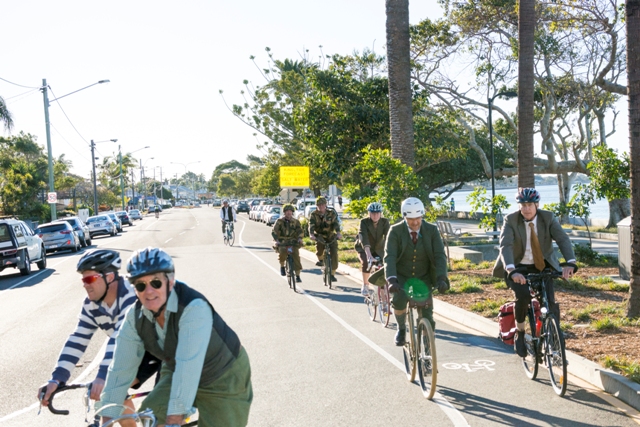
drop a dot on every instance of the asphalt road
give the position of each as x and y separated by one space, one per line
316 358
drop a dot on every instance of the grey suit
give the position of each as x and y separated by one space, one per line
513 241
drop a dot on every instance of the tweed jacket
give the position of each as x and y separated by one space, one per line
513 241
399 244
374 237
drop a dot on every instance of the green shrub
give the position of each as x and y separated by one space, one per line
618 287
304 222
628 368
606 324
584 253
501 285
488 307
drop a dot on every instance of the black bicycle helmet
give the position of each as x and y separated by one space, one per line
527 195
374 207
101 260
148 261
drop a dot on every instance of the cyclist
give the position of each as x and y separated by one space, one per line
526 243
227 213
413 255
108 298
288 231
371 238
204 364
324 225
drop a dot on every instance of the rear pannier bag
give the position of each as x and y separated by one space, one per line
507 320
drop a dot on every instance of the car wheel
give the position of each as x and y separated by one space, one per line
89 242
75 248
83 242
27 265
42 264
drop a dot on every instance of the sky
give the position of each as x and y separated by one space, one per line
166 62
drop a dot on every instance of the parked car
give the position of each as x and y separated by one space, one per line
308 210
115 220
273 215
261 210
267 213
101 225
20 246
124 218
135 214
216 202
80 228
243 206
58 236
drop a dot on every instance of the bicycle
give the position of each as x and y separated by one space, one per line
378 302
419 351
229 234
289 268
145 417
543 337
327 261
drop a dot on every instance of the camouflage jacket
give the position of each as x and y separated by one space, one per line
324 225
287 231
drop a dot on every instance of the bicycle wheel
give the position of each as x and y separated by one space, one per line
556 357
327 270
530 363
371 303
232 238
409 349
291 277
384 305
427 361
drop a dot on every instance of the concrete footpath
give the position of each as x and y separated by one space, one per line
586 370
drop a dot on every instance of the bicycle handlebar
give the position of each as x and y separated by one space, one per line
60 389
544 274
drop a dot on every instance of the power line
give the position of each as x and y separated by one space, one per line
23 93
68 119
70 145
16 84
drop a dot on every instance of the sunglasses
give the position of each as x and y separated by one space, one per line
87 280
141 286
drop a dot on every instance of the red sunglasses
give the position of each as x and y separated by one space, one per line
87 280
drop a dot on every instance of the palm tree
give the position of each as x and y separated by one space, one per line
400 96
5 115
526 30
633 90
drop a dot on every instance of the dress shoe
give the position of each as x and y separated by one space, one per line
282 272
400 337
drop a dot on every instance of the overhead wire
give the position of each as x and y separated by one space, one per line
68 119
29 92
16 84
84 156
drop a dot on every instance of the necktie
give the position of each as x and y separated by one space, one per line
414 237
538 258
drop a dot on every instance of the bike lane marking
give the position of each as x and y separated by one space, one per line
450 411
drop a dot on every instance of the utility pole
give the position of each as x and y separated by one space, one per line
133 188
121 177
49 155
95 188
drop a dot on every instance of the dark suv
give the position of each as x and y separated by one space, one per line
243 206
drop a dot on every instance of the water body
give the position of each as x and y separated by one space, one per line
548 194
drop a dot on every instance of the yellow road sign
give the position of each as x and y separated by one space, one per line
294 176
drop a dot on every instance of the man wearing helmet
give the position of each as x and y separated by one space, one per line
324 226
371 238
204 365
227 213
526 244
413 254
108 298
287 231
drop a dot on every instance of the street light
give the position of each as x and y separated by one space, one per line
48 134
144 190
185 171
122 176
93 162
508 95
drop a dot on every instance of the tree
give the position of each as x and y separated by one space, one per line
526 29
633 79
400 96
5 115
226 185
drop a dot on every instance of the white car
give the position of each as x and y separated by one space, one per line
20 246
135 214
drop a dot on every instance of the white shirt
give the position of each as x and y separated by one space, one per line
528 255
223 213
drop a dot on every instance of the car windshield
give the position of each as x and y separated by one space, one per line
96 219
5 236
53 228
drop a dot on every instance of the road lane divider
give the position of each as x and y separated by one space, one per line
450 411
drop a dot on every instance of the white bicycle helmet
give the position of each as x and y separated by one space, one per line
412 208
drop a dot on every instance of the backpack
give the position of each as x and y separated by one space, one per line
507 320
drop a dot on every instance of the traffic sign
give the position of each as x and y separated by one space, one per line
294 176
52 197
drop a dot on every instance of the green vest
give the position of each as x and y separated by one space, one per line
224 344
414 263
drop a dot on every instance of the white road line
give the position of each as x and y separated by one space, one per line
35 275
450 411
78 379
168 240
181 233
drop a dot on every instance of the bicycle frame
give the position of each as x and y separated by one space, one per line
420 350
327 261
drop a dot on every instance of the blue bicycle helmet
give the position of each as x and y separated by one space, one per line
148 261
527 195
374 207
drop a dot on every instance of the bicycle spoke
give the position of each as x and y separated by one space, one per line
426 358
556 357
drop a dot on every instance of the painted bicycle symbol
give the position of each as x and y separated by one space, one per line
478 365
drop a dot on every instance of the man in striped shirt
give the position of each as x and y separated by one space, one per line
108 298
